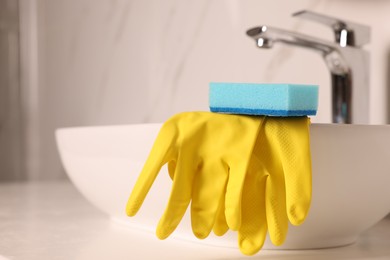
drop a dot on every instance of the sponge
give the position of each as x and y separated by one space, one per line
263 99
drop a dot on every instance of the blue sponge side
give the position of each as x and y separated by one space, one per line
263 99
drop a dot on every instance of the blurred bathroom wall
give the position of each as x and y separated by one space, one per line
99 62
11 154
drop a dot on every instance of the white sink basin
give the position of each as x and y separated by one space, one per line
351 180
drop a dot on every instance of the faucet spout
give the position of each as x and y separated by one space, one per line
266 37
272 35
347 66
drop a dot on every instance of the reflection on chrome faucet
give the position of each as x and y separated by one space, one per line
347 62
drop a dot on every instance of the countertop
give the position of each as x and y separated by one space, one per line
52 220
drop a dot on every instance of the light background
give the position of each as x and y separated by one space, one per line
101 62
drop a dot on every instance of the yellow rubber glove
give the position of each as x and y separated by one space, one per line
208 156
277 186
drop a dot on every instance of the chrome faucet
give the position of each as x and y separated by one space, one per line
345 58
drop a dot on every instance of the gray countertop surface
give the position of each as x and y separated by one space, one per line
52 220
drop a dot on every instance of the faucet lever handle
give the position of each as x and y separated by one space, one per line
346 33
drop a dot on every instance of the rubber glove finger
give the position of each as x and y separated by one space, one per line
236 180
220 226
275 200
208 188
162 151
253 229
234 195
180 196
171 168
293 143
